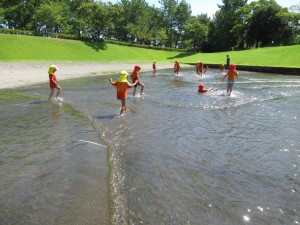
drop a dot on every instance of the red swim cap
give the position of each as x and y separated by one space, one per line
232 67
201 87
136 68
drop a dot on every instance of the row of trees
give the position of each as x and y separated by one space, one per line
235 25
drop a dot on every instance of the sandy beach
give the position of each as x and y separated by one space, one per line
16 74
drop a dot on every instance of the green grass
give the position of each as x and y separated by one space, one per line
39 49
29 48
287 56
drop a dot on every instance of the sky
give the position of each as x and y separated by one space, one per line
210 6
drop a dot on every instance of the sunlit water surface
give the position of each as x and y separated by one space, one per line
177 157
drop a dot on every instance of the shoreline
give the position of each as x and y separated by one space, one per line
18 74
261 69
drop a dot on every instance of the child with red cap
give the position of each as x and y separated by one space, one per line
176 67
202 89
199 68
135 76
232 77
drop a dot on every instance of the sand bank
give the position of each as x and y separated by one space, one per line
16 74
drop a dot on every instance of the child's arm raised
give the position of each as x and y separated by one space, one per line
110 80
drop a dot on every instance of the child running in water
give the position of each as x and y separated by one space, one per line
135 76
199 68
176 67
122 86
154 67
232 76
53 82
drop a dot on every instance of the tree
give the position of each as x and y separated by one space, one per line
50 18
168 8
196 32
116 27
17 14
181 17
270 25
221 37
93 19
161 37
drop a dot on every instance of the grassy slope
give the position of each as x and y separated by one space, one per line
28 48
287 56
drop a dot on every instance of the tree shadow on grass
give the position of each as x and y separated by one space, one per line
183 54
96 45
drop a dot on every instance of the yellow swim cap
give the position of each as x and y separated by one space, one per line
123 76
51 69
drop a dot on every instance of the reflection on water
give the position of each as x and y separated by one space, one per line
47 176
177 157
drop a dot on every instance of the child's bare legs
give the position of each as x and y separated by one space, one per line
58 91
229 88
134 91
51 94
142 89
123 108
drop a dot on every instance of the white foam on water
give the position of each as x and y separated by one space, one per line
91 142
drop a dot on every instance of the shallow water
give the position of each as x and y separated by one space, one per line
177 157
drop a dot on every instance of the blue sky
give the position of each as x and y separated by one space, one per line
210 6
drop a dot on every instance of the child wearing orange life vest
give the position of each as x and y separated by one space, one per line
232 76
122 86
53 82
201 89
176 67
199 68
135 76
154 67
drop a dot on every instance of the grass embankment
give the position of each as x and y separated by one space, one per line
29 48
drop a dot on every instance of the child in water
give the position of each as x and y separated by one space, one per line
222 67
122 86
199 68
232 76
201 89
154 67
206 69
135 76
53 82
176 67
